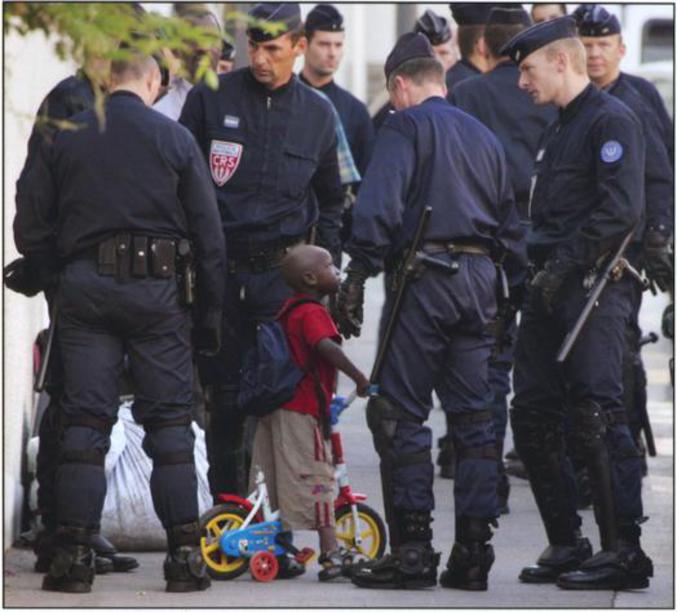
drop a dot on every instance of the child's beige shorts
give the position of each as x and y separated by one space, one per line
297 464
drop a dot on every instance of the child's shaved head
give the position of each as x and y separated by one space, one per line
304 266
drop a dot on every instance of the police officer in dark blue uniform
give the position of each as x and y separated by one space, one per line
470 17
70 96
438 31
495 99
270 145
325 33
424 152
113 208
600 32
587 197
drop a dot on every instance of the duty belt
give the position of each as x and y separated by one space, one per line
257 262
434 247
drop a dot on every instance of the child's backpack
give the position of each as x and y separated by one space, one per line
269 374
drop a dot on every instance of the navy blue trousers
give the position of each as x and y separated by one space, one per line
100 320
440 342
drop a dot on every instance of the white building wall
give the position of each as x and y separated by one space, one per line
31 70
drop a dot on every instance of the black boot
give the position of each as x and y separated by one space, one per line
412 566
503 492
471 557
626 568
72 567
107 556
184 567
446 458
555 560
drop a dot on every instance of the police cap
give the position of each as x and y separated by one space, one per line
411 45
324 18
503 16
597 21
227 51
286 14
476 13
433 26
537 36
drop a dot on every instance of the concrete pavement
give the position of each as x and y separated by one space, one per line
518 541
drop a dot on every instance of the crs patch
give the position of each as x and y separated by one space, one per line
611 152
224 158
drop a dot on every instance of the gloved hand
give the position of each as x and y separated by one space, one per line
207 334
29 276
349 311
657 258
549 280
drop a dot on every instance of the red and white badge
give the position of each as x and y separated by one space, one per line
224 158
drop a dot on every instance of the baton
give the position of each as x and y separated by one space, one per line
39 385
594 294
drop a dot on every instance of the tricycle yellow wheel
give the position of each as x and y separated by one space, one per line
225 517
370 527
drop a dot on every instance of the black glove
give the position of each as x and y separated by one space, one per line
658 259
349 312
207 334
549 280
29 276
668 322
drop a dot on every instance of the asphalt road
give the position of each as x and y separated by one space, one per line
518 541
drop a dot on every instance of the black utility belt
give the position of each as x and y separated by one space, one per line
260 261
435 247
133 256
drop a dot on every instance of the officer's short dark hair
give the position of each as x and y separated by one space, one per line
497 35
419 70
467 37
131 68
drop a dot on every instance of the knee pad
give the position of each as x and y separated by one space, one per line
90 456
461 422
532 433
383 415
169 442
590 424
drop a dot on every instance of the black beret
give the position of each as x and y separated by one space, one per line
475 13
597 21
409 46
227 51
436 28
537 36
325 18
287 14
503 16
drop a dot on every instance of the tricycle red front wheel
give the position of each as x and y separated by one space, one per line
264 566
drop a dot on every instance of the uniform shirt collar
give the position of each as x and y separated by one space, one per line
567 113
123 93
271 93
469 64
324 89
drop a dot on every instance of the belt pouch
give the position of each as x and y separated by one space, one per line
123 244
163 258
140 257
107 259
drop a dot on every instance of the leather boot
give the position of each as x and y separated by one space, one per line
557 559
412 566
107 554
471 557
184 568
72 567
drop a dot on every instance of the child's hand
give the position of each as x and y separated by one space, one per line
363 386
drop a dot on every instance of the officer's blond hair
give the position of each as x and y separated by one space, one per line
573 48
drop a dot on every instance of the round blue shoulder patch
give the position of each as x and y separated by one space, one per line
612 151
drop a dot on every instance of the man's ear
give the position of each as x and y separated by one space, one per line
301 46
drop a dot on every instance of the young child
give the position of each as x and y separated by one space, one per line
289 445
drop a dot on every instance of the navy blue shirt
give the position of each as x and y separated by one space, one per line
461 70
272 158
658 178
588 183
434 155
143 174
495 99
649 92
356 122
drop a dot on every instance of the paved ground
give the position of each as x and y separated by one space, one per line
517 542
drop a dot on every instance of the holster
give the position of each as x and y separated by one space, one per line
126 255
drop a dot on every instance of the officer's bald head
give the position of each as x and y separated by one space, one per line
139 74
